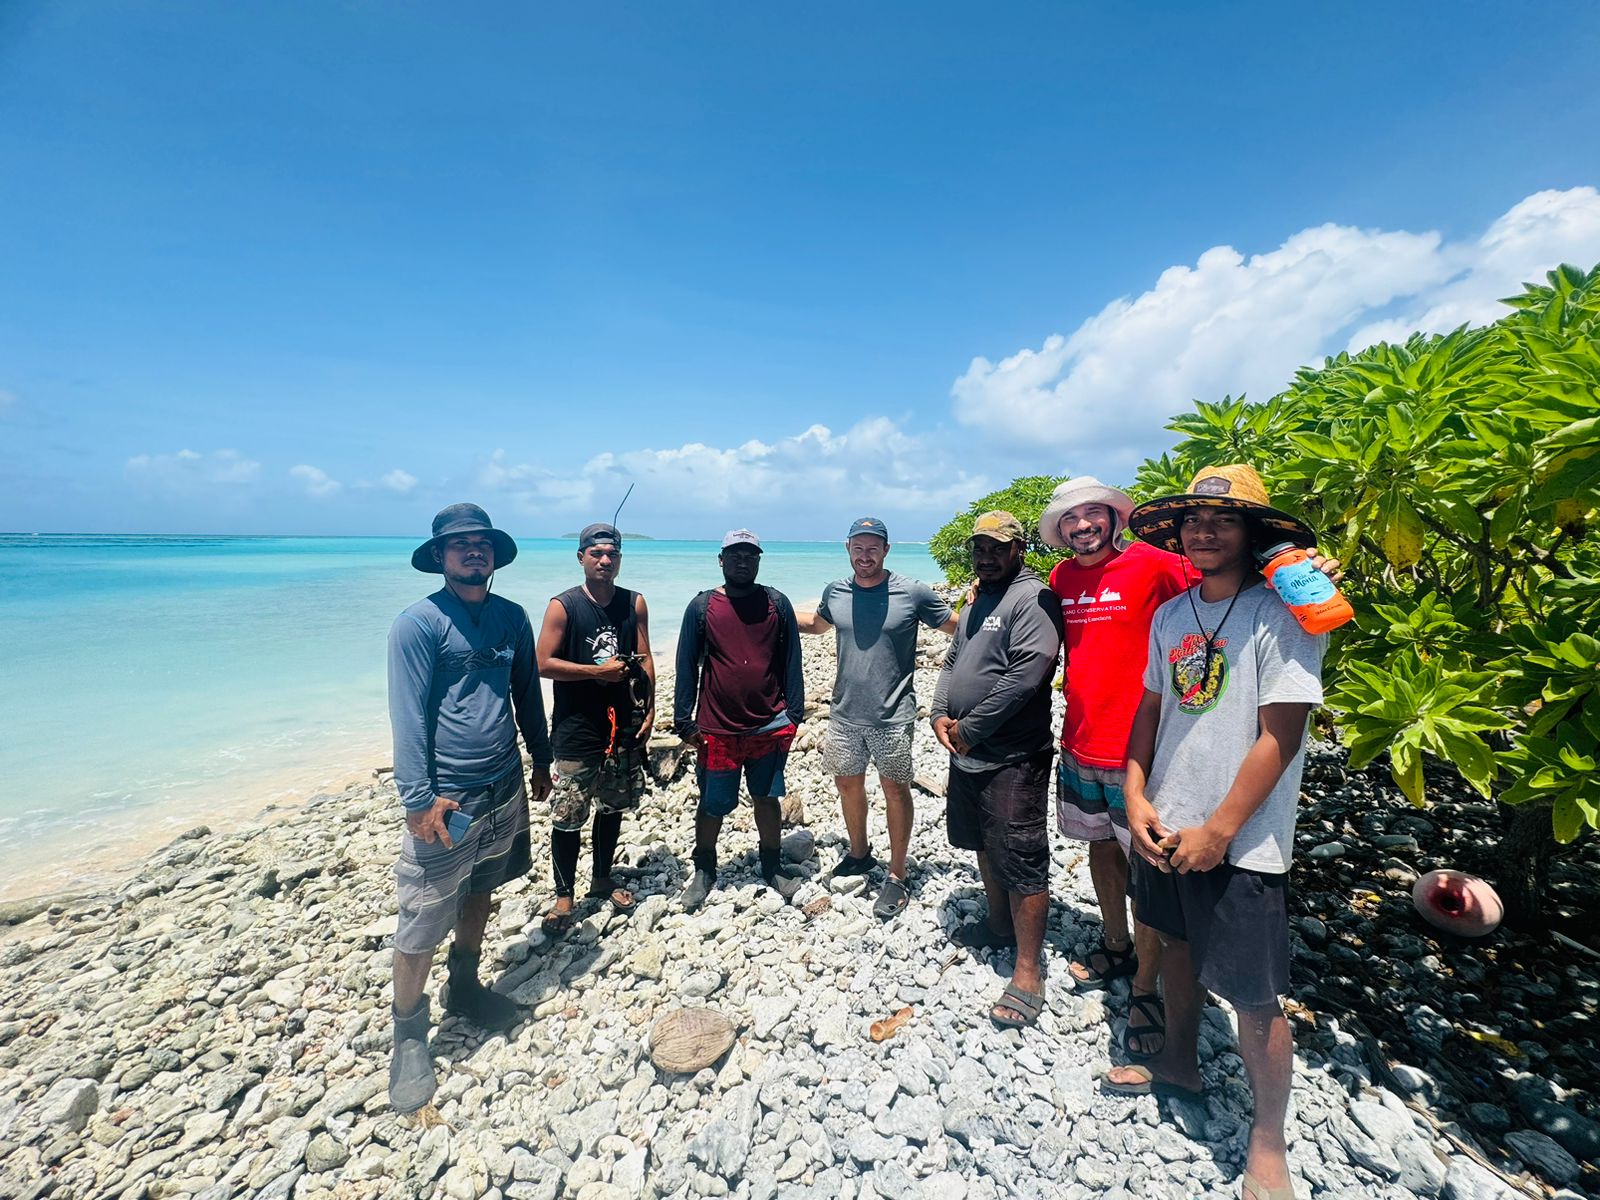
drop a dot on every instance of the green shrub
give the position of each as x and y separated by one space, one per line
1024 499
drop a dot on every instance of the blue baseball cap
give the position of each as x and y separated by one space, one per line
868 525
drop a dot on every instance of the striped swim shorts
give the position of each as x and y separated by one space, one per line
1089 803
433 880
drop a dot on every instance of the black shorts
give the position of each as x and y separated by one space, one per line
1235 921
1002 813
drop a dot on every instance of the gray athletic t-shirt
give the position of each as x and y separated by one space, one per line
877 641
1208 725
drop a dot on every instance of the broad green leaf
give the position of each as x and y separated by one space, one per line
1566 819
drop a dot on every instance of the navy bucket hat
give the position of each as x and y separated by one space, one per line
462 518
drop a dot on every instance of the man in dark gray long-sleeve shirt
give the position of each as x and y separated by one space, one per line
463 680
991 710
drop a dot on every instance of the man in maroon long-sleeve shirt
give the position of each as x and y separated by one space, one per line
739 652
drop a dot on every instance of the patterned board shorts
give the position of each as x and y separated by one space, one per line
432 881
758 757
1089 803
615 783
849 748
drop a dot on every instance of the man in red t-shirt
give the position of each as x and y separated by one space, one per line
1108 598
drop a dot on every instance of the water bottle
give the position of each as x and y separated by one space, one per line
1310 595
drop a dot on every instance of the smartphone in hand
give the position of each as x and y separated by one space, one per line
457 824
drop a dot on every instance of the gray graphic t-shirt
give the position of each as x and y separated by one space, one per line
1209 721
877 642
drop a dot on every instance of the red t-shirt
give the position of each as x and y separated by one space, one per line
1106 611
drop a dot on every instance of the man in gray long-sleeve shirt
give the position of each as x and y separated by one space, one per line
463 680
991 710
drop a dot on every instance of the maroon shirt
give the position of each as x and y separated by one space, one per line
743 681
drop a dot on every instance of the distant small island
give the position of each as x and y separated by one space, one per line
626 536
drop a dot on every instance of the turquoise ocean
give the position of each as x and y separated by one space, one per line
157 683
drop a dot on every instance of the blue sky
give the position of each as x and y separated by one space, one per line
325 267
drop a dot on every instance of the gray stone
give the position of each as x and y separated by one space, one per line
721 1148
433 1152
325 1154
70 1102
865 1146
1578 1135
701 984
1544 1155
649 913
892 1181
831 1029
353 1093
1491 1118
1466 1180
799 845
1327 850
916 1118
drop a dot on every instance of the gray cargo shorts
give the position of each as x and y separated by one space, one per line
432 881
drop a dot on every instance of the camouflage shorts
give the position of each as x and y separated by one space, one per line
616 784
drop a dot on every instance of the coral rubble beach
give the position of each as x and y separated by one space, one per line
218 1026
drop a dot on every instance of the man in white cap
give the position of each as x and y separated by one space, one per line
739 696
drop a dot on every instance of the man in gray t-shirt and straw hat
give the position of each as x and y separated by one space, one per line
463 681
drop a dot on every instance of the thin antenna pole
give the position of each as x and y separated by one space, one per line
625 496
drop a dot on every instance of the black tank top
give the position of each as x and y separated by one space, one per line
580 727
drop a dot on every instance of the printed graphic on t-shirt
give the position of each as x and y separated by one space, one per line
991 624
1196 694
478 660
603 645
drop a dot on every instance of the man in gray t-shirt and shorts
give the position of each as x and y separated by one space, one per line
875 615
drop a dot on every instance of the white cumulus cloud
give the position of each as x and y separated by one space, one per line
399 481
188 468
315 480
1233 324
873 466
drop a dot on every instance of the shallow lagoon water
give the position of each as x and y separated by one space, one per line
155 683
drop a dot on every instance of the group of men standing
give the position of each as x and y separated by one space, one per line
1190 773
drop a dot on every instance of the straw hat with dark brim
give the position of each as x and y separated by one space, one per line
1233 486
462 518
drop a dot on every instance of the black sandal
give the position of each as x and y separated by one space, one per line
1149 1006
555 924
1014 999
1119 965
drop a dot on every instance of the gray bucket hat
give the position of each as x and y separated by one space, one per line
462 518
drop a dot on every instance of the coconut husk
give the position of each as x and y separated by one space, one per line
687 1040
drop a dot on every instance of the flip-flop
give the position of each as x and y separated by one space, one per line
1029 1004
617 906
1119 965
1149 1006
892 899
1149 1085
978 936
555 924
1251 1188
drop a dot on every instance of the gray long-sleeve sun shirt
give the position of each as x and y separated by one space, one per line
997 673
458 692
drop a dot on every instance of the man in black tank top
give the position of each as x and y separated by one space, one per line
595 646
